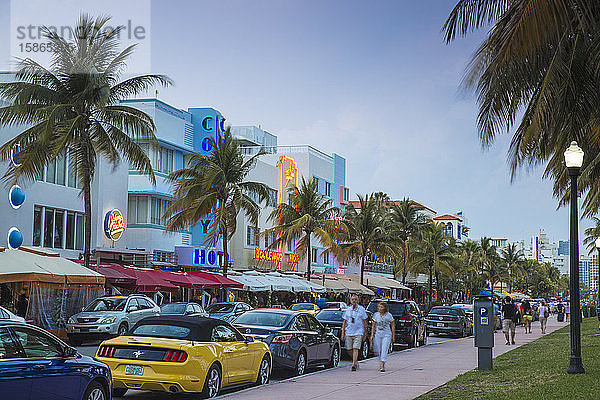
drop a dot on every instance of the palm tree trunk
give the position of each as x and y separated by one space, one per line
404 272
87 208
430 283
437 286
309 256
362 269
225 261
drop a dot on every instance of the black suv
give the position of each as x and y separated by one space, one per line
410 322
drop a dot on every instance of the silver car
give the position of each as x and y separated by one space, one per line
109 316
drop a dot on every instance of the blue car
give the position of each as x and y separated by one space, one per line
35 364
227 311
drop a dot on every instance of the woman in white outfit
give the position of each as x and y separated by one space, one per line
382 332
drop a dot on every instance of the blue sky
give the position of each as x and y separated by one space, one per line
372 81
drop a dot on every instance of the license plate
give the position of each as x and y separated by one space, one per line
440 324
134 370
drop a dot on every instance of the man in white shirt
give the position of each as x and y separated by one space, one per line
354 328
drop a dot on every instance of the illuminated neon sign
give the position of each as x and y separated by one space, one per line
267 255
293 258
288 175
114 224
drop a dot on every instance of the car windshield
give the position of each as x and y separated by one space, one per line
220 308
332 305
107 304
161 330
263 318
443 311
173 308
395 308
303 307
330 315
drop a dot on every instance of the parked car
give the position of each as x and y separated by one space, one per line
35 364
296 338
335 304
333 319
183 308
227 311
410 323
449 321
467 308
172 353
109 316
307 307
7 315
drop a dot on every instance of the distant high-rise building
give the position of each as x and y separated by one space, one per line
563 248
588 271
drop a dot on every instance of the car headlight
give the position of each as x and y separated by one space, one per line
71 320
108 320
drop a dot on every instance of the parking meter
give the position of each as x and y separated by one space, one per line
483 314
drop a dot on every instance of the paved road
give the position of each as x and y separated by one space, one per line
278 376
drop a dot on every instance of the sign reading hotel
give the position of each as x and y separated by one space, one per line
114 224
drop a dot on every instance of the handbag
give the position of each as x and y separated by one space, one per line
546 313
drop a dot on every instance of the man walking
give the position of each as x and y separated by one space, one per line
510 316
354 328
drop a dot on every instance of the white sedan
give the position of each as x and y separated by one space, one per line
7 315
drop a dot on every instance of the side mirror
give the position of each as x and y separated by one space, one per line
249 339
69 351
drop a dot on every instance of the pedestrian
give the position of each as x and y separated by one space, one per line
567 311
354 329
510 317
527 317
382 332
544 314
497 317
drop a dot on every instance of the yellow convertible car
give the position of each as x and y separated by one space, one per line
184 354
306 307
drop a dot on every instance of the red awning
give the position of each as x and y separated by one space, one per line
187 280
218 279
147 280
115 277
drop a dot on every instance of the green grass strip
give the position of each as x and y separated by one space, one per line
536 370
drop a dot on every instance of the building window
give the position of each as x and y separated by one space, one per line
252 236
272 202
61 171
315 256
448 230
158 210
49 228
291 246
326 258
138 212
346 194
327 189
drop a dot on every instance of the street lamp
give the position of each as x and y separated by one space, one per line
574 160
598 247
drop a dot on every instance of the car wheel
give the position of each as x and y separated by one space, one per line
301 363
95 391
364 351
212 383
334 361
122 329
119 392
264 371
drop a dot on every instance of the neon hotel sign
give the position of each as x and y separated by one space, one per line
267 255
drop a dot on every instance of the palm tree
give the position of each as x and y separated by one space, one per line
537 69
512 257
591 234
435 251
469 254
74 106
307 213
406 223
215 186
363 233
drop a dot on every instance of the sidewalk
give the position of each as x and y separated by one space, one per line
410 373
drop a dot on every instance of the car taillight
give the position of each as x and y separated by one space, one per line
175 356
405 318
107 351
282 339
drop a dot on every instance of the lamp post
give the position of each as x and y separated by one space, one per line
574 160
598 247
